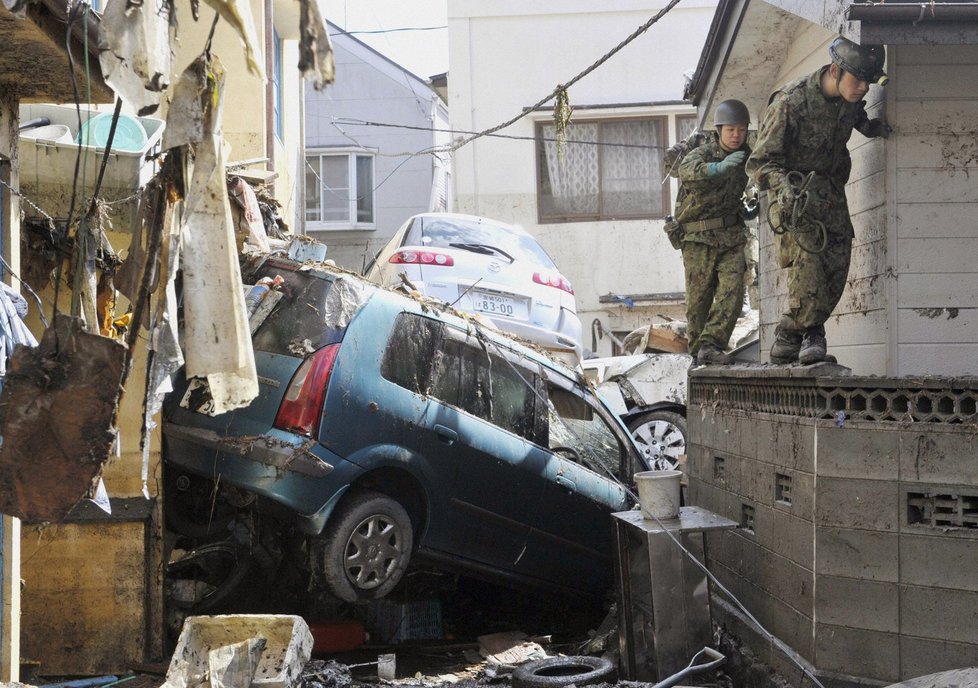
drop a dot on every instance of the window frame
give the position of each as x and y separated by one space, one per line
350 221
276 78
663 123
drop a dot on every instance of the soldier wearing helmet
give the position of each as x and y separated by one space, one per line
711 217
805 130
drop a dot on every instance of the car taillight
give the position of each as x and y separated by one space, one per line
553 280
422 258
302 405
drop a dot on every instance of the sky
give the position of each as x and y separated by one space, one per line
422 52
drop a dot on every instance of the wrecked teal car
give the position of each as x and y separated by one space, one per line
390 430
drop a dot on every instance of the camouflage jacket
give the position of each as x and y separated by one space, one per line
709 197
676 152
805 131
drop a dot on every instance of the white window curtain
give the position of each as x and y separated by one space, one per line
574 180
631 175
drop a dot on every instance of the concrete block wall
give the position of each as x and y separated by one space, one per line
849 559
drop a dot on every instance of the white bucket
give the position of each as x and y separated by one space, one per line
658 493
59 133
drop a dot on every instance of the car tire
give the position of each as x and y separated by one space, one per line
554 672
661 437
367 547
219 569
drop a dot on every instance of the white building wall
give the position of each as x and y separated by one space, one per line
935 254
370 88
507 55
858 330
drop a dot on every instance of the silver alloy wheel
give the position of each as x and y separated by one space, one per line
373 552
661 437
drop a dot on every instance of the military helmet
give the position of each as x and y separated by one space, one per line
731 112
865 62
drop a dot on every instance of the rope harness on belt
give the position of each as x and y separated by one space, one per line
810 234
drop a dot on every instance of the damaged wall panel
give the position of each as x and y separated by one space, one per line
87 590
57 409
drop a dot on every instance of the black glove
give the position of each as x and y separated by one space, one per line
877 128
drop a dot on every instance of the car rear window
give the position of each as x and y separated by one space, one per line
296 327
444 232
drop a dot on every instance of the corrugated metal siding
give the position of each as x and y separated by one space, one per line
936 198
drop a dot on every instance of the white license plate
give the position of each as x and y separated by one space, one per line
494 304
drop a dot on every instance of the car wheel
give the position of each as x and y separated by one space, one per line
554 672
367 547
660 436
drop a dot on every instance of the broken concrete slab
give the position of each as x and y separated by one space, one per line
288 646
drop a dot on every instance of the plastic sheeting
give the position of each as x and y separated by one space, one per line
217 340
134 53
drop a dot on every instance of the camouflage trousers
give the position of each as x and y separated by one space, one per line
815 280
714 292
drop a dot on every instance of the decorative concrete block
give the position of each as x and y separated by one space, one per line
857 652
848 503
857 554
793 492
858 450
858 604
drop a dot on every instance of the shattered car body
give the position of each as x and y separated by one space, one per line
389 429
648 392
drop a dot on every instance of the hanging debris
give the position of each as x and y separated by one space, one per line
315 50
57 412
237 13
134 53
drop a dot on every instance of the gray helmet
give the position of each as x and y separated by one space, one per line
865 62
731 112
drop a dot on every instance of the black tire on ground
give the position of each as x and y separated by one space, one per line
661 437
554 672
366 547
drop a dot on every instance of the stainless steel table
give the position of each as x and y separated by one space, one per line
663 597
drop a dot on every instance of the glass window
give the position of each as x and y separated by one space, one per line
444 232
685 125
339 190
484 385
277 83
410 349
576 425
297 316
606 170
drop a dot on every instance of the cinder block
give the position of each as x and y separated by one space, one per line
939 613
747 434
795 443
922 656
766 432
939 561
785 580
695 424
757 482
784 534
705 495
699 462
939 454
859 604
861 554
729 475
867 654
858 450
847 503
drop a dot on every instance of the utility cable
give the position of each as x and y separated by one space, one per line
561 88
481 336
343 32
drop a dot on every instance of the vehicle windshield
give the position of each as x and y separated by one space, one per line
483 236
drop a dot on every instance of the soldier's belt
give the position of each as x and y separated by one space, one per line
712 223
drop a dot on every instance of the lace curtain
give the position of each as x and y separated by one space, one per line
605 180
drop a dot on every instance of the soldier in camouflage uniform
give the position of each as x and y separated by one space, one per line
713 232
806 129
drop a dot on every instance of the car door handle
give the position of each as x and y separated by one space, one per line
446 435
564 482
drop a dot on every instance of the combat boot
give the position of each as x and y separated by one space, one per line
812 348
785 347
711 354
